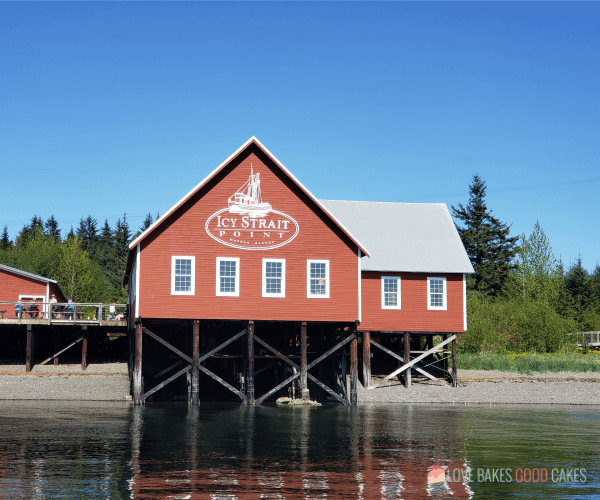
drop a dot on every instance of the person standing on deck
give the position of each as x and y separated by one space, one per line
112 310
52 302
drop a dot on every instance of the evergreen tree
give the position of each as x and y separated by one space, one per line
29 230
576 283
51 228
88 233
145 225
5 243
70 234
486 241
593 293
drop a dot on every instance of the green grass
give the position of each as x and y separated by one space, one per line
531 362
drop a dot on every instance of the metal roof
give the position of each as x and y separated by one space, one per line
26 274
409 237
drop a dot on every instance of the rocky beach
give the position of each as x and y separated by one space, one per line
110 382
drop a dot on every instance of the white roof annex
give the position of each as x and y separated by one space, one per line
409 237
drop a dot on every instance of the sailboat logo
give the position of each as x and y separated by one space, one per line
250 223
248 200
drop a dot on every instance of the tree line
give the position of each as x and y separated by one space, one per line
521 297
88 263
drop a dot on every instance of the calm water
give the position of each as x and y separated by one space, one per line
91 450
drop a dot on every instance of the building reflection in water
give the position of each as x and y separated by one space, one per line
247 453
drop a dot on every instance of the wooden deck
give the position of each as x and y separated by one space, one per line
57 314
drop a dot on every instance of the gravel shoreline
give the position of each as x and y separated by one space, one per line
110 382
493 387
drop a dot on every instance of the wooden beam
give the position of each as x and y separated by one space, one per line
304 394
55 356
354 371
165 382
250 365
137 366
277 387
29 349
168 346
366 359
241 395
417 359
224 344
407 374
400 358
195 396
84 348
454 368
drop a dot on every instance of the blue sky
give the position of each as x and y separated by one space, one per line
107 108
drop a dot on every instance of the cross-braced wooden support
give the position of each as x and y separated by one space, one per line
310 365
143 396
409 364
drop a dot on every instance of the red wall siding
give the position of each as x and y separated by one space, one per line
13 285
414 315
184 234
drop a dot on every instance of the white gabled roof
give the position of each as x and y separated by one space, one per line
26 274
409 237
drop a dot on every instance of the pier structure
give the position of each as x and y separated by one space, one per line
251 285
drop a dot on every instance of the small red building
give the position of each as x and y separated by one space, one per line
18 285
251 243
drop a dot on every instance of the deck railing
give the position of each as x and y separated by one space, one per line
61 312
589 339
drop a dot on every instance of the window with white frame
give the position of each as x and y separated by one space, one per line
436 293
182 275
228 276
390 292
273 282
317 279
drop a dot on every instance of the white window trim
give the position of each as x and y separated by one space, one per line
193 276
399 281
317 296
235 293
444 292
264 278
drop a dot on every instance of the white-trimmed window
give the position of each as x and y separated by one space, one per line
436 293
317 279
228 276
390 292
183 270
273 278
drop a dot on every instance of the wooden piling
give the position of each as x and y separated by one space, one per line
250 365
195 393
84 348
303 363
367 359
354 371
454 367
29 349
407 359
137 365
56 347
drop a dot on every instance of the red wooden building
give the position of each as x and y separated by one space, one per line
250 247
18 285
